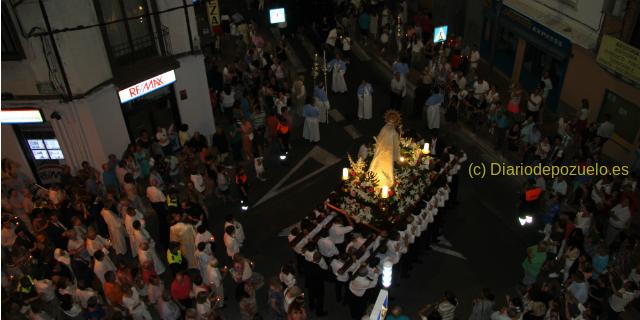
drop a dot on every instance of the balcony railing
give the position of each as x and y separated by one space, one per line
153 44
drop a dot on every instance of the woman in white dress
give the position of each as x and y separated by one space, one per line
116 230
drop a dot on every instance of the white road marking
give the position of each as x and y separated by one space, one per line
336 115
352 131
447 251
324 157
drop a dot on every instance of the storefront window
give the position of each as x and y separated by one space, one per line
45 149
157 109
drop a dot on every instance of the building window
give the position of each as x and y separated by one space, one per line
11 48
128 31
45 149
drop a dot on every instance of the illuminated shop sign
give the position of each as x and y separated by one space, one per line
140 89
10 116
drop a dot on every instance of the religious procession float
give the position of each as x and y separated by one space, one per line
396 184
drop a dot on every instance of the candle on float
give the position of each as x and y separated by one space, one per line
385 192
401 159
425 149
345 174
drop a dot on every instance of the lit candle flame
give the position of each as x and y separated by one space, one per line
385 192
345 174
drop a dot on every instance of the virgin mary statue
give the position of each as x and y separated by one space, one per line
387 149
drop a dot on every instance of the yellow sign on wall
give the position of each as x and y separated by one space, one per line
213 8
621 59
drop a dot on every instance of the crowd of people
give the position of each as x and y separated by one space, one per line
134 239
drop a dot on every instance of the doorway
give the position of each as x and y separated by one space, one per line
157 109
534 64
42 150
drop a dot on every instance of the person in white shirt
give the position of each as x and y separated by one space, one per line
618 220
203 256
357 288
231 242
606 129
560 186
203 235
480 89
601 190
534 104
398 91
338 230
326 247
548 85
620 298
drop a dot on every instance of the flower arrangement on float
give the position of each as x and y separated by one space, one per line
367 203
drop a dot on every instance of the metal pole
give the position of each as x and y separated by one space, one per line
326 91
55 50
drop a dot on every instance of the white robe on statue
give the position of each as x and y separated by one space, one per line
338 68
116 231
387 151
365 101
186 235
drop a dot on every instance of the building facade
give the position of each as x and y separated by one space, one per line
524 39
100 72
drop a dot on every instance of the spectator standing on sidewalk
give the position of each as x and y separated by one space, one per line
606 129
536 256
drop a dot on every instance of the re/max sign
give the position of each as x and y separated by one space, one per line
146 86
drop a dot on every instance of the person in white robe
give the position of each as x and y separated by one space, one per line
167 308
96 242
231 242
136 306
147 252
101 265
214 278
338 68
131 216
311 129
365 101
184 233
203 235
203 256
116 230
321 100
387 150
239 230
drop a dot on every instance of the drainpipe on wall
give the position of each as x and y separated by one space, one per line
186 16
